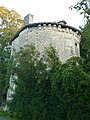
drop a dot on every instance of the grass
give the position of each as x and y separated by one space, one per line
5 115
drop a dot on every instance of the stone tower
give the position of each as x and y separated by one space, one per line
64 38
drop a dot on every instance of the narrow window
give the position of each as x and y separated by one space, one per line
76 48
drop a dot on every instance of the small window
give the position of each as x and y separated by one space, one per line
76 48
75 44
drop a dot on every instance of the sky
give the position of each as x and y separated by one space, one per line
46 10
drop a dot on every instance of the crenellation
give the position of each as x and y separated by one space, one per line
44 26
67 30
59 27
54 27
70 31
39 27
49 26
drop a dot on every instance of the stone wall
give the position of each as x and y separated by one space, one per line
65 40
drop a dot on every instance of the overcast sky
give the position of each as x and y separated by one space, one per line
46 10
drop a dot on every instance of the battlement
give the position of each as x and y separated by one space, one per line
49 25
64 38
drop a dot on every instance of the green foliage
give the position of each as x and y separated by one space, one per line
85 46
29 69
49 90
75 91
10 22
9 72
84 7
4 114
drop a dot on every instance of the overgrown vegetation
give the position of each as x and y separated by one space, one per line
10 22
4 114
49 90
46 89
83 7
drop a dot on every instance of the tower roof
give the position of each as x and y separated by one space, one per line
42 23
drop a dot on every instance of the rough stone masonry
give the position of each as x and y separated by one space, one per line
64 38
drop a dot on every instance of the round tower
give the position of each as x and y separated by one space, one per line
64 38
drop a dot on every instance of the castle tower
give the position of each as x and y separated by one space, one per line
64 38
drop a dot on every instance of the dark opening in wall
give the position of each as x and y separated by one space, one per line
76 49
75 44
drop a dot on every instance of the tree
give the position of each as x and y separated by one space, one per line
33 98
84 7
85 47
49 90
75 91
10 22
30 71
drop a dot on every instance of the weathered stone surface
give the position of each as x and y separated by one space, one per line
63 38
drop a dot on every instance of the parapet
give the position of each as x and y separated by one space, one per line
54 25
